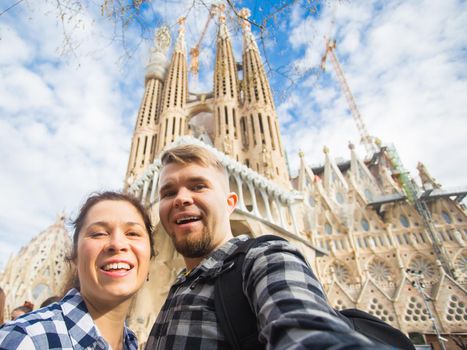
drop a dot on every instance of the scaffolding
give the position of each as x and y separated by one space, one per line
413 197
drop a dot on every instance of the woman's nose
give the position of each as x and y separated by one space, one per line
117 242
183 198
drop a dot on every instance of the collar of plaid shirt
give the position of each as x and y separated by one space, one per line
81 327
64 324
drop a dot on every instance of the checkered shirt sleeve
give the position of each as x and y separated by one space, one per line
292 311
63 325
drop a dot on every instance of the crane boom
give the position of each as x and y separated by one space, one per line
194 51
365 136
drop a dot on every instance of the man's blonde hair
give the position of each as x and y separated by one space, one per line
187 154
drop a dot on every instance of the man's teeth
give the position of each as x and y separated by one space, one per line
117 266
187 219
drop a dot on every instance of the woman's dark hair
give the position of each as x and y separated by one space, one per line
98 197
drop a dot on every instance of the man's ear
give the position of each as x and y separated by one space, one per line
232 200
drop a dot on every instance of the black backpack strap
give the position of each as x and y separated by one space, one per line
376 329
234 314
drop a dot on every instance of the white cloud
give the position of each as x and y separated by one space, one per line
63 122
404 64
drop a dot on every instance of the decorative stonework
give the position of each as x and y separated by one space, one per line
461 266
426 267
340 272
40 269
380 271
416 311
456 310
377 309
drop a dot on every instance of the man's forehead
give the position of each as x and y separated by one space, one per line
173 170
191 172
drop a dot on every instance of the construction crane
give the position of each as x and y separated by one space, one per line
194 51
407 183
365 136
413 197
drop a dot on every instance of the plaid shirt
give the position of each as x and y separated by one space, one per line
63 325
289 302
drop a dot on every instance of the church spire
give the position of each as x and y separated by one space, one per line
257 89
172 121
258 108
146 129
226 92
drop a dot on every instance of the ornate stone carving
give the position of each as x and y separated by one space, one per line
162 39
426 267
380 272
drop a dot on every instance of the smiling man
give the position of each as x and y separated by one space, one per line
288 302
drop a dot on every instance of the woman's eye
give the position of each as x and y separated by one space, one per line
97 234
133 234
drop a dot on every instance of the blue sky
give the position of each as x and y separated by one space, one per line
66 116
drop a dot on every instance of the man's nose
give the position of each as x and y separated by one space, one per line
117 242
183 198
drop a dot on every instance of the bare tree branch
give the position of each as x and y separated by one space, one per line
10 7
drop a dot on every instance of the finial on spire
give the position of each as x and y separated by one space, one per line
351 146
325 149
181 21
162 39
221 9
157 64
249 42
301 154
244 15
180 43
223 32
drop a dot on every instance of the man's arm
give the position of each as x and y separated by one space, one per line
292 309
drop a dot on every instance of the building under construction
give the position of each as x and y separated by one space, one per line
376 240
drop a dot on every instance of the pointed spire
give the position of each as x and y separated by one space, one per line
303 172
180 43
353 153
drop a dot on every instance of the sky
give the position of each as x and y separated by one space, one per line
70 90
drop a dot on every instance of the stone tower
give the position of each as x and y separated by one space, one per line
147 129
238 117
39 270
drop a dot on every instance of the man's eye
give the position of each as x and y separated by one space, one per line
167 194
199 187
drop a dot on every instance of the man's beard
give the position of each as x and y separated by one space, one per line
194 247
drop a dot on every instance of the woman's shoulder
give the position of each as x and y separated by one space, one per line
37 328
31 328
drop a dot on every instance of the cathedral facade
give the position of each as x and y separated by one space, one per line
39 270
376 240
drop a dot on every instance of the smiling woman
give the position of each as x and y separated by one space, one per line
112 248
